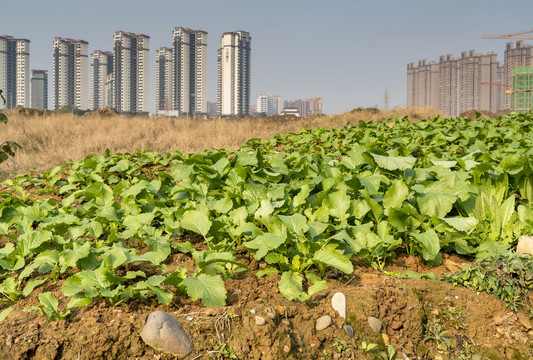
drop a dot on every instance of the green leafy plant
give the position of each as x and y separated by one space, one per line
49 307
341 346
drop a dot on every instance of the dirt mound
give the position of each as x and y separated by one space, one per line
420 319
27 112
105 112
484 113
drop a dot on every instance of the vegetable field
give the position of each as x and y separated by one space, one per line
304 203
295 213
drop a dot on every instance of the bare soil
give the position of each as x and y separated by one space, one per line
474 323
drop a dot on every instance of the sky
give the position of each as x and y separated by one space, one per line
347 52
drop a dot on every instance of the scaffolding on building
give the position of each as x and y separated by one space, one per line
522 92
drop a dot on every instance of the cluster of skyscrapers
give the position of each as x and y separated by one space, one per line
471 82
120 79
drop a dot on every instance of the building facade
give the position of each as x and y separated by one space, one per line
164 79
234 74
101 67
305 107
39 89
131 69
70 74
449 67
268 105
14 71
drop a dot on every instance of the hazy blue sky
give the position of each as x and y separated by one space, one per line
346 52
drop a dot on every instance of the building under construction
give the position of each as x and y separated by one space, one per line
522 92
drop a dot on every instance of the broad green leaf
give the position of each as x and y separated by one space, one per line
434 204
461 223
430 244
317 286
290 286
79 300
210 289
338 204
265 243
48 300
297 223
330 257
394 162
196 222
265 209
5 313
28 242
395 195
267 272
32 284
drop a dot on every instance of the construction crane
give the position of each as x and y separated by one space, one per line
521 35
518 91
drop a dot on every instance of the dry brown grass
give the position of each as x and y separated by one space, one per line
53 140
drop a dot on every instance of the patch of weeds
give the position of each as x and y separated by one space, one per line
454 317
509 277
389 355
225 351
341 347
436 332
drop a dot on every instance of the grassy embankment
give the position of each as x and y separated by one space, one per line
52 140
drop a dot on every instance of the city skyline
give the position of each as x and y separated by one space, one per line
299 57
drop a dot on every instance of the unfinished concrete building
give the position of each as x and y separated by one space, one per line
519 55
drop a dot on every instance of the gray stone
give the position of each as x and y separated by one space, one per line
338 302
349 330
323 322
374 324
163 332
260 321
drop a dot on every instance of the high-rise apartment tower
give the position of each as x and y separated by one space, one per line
190 69
14 71
131 56
164 79
234 66
39 89
71 74
101 67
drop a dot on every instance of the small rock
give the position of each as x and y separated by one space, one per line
374 324
189 318
253 311
385 338
271 314
163 332
338 302
524 320
260 321
323 322
287 349
525 245
348 329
